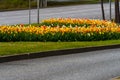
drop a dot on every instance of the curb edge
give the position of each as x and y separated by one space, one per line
55 53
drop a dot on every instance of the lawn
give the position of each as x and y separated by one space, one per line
11 48
23 4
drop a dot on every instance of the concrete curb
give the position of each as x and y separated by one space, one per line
55 53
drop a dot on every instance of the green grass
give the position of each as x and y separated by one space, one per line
6 5
11 48
53 3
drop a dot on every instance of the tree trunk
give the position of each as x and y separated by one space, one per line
117 15
102 8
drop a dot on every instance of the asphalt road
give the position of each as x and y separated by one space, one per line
92 11
96 65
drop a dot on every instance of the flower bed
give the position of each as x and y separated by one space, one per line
59 30
74 22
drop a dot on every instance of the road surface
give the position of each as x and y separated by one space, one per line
96 65
92 11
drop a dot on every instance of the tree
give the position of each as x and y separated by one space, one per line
102 8
117 13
